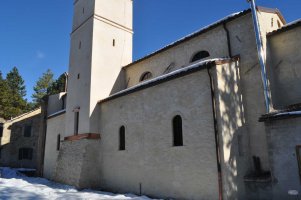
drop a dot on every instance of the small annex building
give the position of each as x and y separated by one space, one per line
22 141
188 121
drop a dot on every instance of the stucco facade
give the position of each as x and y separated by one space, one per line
285 67
219 98
55 130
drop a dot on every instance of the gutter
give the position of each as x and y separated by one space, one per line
216 136
228 39
43 137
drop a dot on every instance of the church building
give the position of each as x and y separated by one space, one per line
214 115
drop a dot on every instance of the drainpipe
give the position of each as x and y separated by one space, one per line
228 39
260 54
66 81
216 137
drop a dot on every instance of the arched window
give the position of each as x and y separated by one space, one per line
169 68
177 131
122 138
278 23
200 55
145 76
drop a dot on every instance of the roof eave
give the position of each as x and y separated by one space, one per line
183 72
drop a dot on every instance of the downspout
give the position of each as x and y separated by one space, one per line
66 81
228 39
216 136
44 109
260 54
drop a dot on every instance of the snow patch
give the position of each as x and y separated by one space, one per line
14 185
289 113
56 113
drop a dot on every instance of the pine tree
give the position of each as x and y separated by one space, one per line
4 98
58 85
16 82
17 91
41 87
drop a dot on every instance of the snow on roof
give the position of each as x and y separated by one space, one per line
286 27
194 34
190 68
292 23
291 111
56 113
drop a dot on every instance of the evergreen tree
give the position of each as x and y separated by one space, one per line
41 87
16 82
17 91
57 86
4 98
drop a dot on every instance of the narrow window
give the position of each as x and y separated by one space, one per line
1 131
76 120
177 131
27 131
122 138
83 10
298 153
113 42
278 23
25 154
58 142
64 102
78 76
272 22
145 76
80 45
200 55
20 154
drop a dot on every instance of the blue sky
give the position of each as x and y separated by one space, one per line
35 34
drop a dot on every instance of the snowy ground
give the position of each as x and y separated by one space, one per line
14 185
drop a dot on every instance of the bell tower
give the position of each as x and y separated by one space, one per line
101 43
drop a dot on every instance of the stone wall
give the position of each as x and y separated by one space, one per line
283 137
10 151
78 164
150 164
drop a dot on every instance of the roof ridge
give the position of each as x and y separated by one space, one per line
194 34
22 115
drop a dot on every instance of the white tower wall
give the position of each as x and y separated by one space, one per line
101 43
